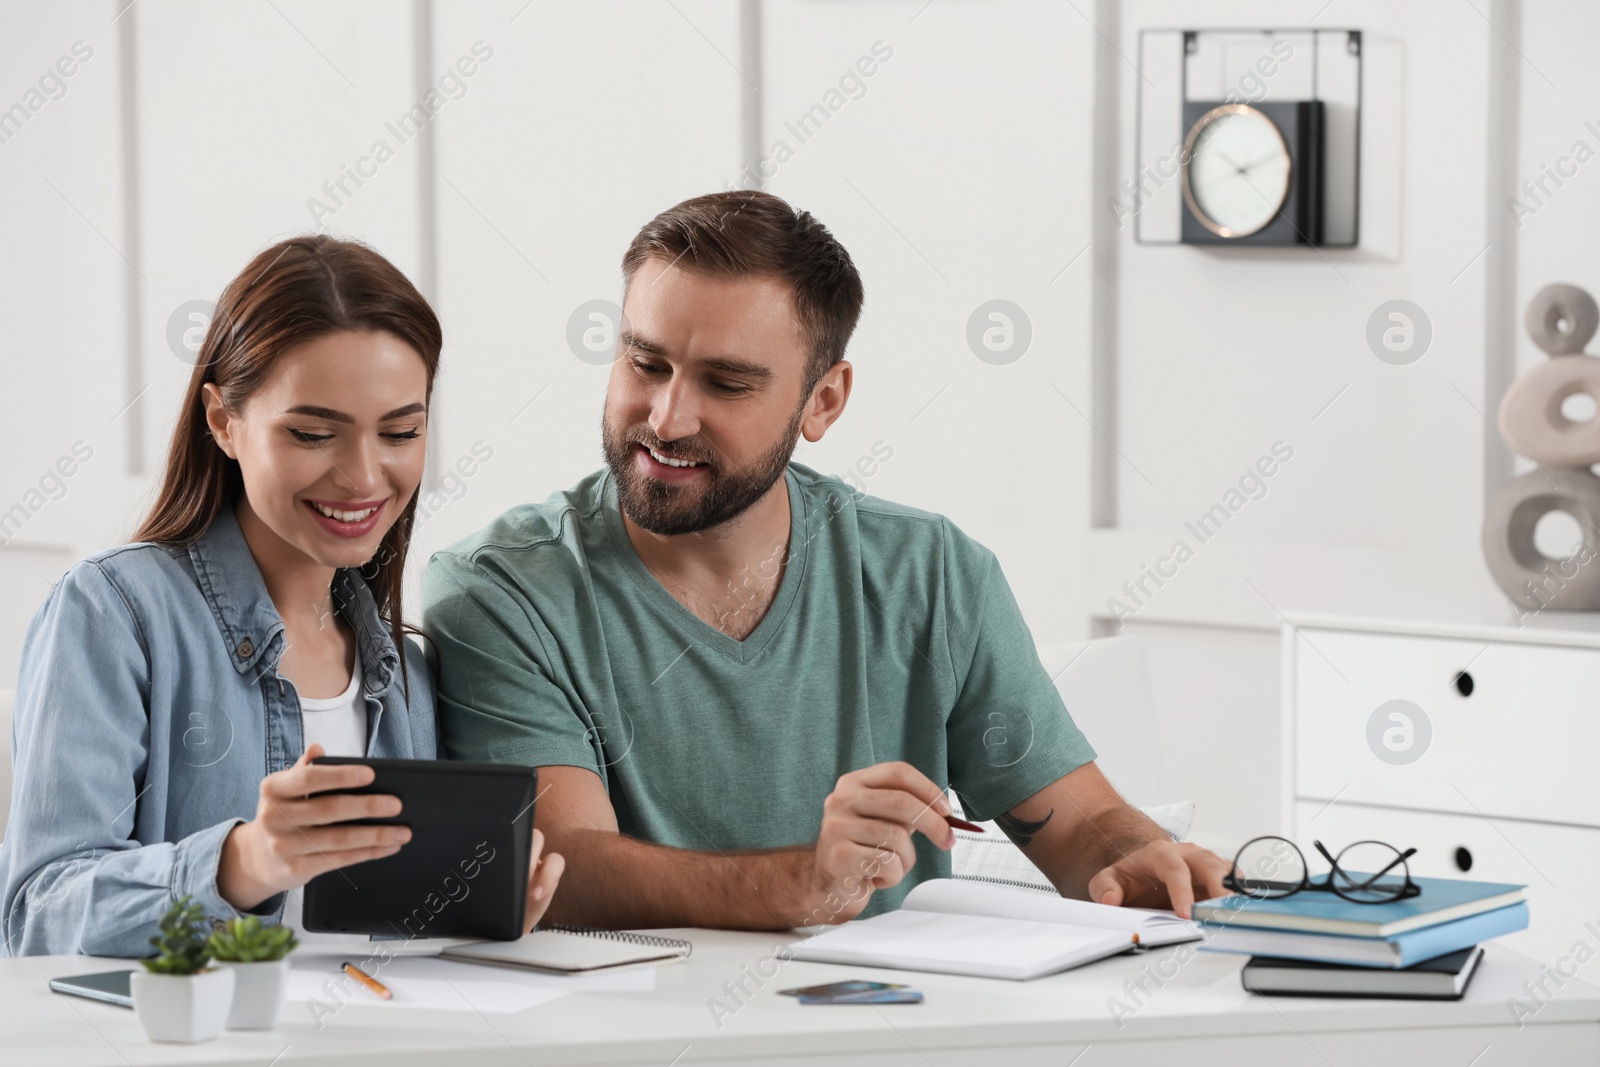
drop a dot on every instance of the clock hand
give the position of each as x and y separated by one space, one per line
1215 182
1228 161
1269 157
1264 198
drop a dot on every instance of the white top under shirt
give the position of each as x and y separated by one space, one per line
339 725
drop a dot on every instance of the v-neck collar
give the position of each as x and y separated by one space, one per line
696 629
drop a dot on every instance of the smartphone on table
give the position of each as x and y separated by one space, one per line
111 987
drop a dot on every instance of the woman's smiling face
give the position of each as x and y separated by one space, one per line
331 445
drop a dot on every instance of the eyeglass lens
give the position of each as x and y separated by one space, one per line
1369 872
1269 867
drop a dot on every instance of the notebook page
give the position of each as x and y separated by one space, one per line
960 944
956 897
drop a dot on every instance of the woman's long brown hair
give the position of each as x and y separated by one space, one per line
294 292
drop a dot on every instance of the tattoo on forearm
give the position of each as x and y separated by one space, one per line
1021 831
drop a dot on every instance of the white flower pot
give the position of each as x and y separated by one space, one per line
182 1007
258 993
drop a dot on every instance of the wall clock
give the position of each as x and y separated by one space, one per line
1252 173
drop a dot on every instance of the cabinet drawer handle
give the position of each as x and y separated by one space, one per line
1464 683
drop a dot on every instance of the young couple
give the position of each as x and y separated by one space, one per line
746 686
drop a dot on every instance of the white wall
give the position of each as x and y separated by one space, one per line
975 165
953 181
1560 101
565 187
1225 351
545 172
65 291
1221 353
227 145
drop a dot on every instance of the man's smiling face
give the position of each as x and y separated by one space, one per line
706 396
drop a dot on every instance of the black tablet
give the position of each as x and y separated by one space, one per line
464 873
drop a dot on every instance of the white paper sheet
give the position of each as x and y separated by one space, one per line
428 983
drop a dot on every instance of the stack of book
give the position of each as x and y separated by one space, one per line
1319 944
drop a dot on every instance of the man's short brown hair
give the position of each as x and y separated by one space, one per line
748 232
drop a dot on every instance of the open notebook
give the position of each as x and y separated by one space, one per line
992 931
573 949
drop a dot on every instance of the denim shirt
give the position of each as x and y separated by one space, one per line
148 709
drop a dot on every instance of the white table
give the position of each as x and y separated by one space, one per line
1199 1016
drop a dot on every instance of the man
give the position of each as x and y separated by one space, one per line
747 686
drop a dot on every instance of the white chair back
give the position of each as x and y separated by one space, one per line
1105 685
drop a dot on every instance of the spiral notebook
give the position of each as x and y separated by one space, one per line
573 950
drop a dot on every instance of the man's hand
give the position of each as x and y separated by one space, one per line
296 835
865 840
1161 874
543 874
1092 845
616 882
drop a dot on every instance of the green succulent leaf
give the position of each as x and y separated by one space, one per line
181 946
249 940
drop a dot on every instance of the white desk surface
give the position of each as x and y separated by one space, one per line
1199 1016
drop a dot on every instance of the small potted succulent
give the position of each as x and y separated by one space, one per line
257 954
177 997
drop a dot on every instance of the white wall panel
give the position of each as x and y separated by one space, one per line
1556 223
1225 351
588 120
245 111
960 174
64 277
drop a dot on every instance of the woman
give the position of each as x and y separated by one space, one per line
254 624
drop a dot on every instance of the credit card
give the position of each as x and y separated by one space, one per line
837 989
882 996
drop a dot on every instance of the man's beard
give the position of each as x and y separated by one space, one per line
668 509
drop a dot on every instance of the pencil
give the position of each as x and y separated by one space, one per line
367 980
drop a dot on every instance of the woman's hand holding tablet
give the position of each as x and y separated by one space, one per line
297 832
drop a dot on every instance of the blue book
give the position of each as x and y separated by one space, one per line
1398 950
1441 900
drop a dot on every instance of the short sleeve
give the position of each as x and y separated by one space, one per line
500 698
1008 735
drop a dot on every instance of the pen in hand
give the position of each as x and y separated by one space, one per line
962 824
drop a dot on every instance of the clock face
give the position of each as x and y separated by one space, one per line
1236 174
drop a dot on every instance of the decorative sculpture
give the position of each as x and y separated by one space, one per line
1561 319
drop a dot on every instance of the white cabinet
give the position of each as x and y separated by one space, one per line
1476 744
1558 864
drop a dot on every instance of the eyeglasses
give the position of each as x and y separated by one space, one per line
1367 872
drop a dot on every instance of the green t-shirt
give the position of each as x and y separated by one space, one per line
893 636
